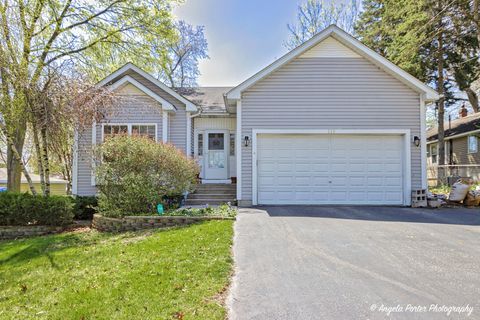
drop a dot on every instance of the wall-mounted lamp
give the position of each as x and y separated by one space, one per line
246 141
416 141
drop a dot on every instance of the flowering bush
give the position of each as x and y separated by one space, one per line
135 174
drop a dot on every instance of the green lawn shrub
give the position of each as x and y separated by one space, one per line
135 174
85 207
21 209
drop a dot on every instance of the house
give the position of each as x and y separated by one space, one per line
330 122
462 158
57 186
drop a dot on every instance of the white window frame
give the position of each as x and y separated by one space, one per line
433 146
129 127
468 144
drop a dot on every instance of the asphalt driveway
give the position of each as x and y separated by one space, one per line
316 262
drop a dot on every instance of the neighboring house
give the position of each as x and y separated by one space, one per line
330 122
462 157
57 186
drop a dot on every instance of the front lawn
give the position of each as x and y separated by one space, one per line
173 274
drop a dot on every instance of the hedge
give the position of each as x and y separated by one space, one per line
21 209
85 207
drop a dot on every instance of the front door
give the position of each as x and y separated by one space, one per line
216 156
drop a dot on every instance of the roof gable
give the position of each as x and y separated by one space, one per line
347 41
190 106
125 80
329 48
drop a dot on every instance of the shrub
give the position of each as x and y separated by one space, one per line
136 174
27 209
224 210
85 207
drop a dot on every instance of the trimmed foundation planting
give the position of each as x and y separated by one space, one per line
132 223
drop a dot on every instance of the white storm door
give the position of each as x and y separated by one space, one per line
216 154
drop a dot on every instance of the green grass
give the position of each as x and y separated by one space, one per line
172 274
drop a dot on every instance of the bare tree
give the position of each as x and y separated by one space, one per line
180 68
315 15
39 36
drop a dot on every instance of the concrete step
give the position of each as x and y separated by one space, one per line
216 185
216 202
214 189
211 196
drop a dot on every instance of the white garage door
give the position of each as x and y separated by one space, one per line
329 169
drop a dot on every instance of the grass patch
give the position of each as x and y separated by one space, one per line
171 274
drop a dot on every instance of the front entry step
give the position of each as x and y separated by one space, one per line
212 194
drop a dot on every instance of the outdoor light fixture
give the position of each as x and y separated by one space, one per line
246 141
416 141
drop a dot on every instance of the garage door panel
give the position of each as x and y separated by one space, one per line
329 169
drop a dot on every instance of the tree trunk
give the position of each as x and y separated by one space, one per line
14 154
441 101
473 99
476 17
38 149
46 161
14 163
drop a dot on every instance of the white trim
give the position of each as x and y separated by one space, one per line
407 181
352 43
94 143
129 127
468 144
199 158
210 181
129 80
164 126
226 148
423 142
188 147
238 151
75 163
190 106
460 135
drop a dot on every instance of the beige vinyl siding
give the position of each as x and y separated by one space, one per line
329 93
58 189
460 152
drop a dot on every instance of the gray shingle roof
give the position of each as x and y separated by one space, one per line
457 126
209 99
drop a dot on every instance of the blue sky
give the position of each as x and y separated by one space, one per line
243 35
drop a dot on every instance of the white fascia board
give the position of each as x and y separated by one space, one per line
190 106
129 80
352 43
75 162
423 141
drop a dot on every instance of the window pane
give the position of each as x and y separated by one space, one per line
200 144
232 144
144 130
472 144
112 129
215 141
